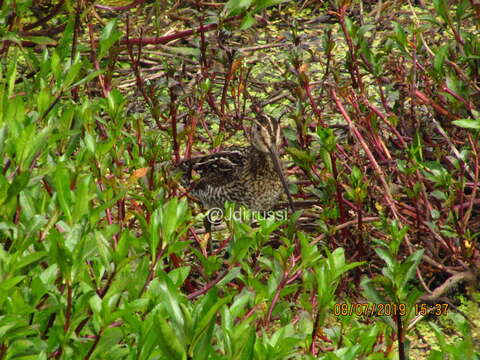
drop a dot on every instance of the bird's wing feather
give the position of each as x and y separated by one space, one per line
219 165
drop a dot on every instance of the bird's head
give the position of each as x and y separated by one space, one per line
265 134
266 137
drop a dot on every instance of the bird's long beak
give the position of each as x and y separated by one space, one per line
278 169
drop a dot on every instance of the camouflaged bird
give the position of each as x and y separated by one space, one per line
251 176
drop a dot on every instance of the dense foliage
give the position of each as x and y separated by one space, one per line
102 252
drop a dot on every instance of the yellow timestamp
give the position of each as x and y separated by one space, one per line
387 309
435 309
366 309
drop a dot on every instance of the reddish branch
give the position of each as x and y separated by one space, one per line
209 285
466 218
44 20
119 8
439 108
178 35
353 65
366 148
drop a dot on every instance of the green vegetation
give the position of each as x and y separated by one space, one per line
102 253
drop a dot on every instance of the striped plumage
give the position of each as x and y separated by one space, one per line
244 175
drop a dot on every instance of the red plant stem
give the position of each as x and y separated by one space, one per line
439 108
370 156
68 312
45 32
43 20
101 293
276 297
101 77
249 313
119 8
193 127
203 47
286 279
10 21
199 242
404 145
466 204
313 104
468 213
173 119
102 188
153 266
475 6
377 143
447 246
178 35
213 106
338 189
209 285
386 122
94 345
458 37
353 67
445 88
120 219
223 100
413 84
76 26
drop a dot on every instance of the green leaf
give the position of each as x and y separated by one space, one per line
30 259
44 99
473 124
64 47
410 265
236 5
263 4
56 68
461 11
240 302
400 37
440 195
62 185
232 274
439 60
11 73
247 21
18 184
170 299
441 9
246 351
72 74
436 355
87 78
10 283
169 343
183 50
179 275
33 144
386 257
206 317
110 35
416 149
95 304
41 40
3 136
82 197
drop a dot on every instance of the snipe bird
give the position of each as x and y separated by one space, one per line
251 176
